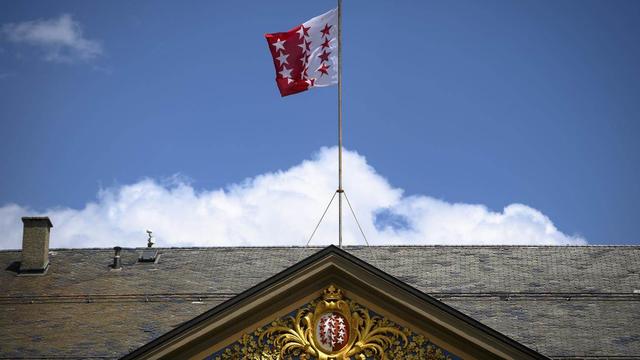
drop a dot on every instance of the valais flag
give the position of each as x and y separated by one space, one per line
307 55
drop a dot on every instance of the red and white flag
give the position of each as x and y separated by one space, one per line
307 55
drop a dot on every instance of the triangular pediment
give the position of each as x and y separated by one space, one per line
333 305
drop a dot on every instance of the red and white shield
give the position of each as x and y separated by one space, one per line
332 332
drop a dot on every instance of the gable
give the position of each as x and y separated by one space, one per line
384 316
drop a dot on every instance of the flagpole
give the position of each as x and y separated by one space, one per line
340 190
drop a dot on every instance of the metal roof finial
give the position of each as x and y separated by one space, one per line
150 240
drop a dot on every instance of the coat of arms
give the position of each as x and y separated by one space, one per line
334 331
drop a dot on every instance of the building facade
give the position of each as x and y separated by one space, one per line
413 302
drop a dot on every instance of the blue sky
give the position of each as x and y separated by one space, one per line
468 102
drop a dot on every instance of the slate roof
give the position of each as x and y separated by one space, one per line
565 302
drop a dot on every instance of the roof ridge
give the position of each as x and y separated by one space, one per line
186 248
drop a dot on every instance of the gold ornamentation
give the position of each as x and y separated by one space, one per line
300 336
366 334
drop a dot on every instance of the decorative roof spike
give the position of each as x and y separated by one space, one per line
150 239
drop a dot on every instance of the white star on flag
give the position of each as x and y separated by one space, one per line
286 73
283 58
303 47
279 44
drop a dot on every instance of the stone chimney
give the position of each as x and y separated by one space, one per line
117 263
35 245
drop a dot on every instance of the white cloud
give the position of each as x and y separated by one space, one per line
61 38
282 208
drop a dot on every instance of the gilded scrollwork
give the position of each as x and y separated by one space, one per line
374 335
293 337
332 327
